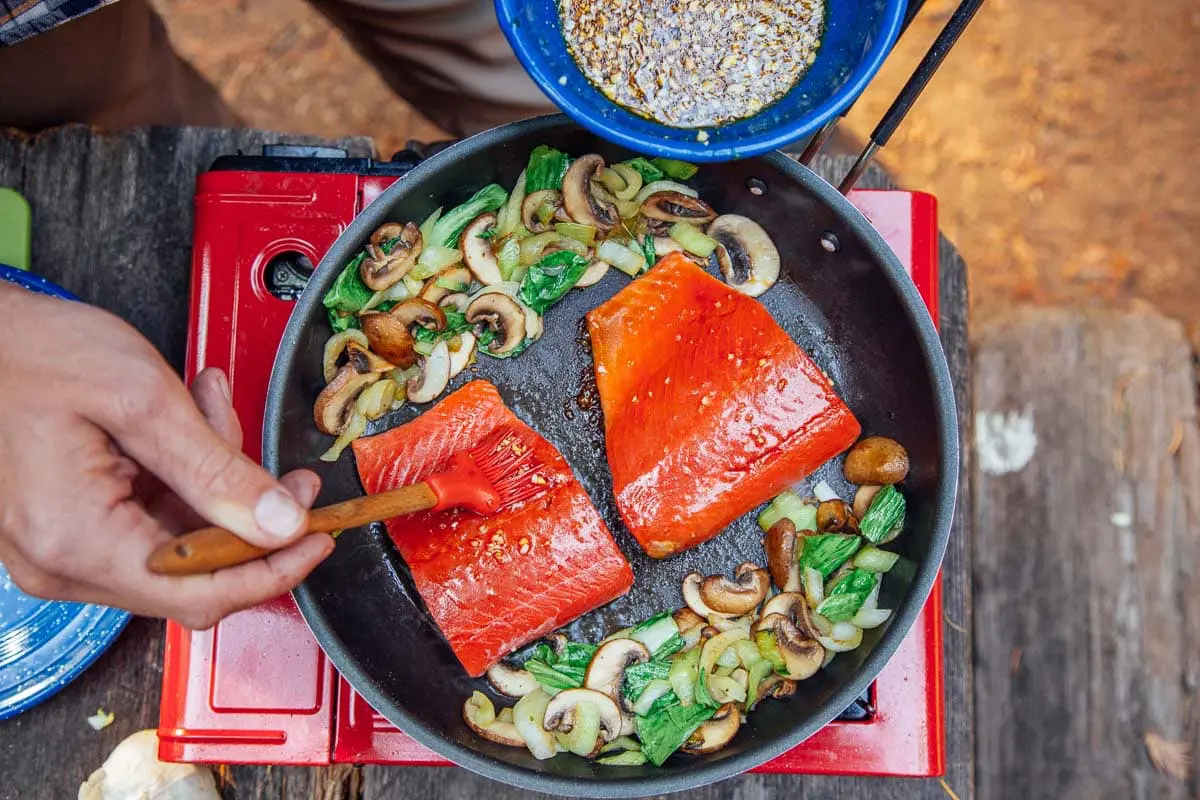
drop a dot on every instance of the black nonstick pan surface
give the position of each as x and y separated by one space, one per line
843 296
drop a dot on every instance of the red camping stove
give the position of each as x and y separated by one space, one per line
257 688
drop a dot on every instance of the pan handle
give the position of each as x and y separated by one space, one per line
904 101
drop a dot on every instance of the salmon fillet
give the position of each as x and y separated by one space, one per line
493 584
709 406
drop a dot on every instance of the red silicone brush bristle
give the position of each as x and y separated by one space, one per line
506 459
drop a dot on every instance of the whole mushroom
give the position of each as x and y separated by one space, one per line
736 597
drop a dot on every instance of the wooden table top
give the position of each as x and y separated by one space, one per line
112 222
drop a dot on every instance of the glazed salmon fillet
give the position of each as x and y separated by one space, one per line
493 584
709 406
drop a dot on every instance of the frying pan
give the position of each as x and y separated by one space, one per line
843 296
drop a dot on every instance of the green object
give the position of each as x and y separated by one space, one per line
450 226
847 596
545 169
452 285
647 170
789 504
655 631
456 323
549 279
885 516
770 652
577 654
508 257
561 676
665 732
584 234
691 239
676 170
654 691
685 670
756 672
826 552
875 560
629 758
347 296
15 229
670 647
581 739
639 676
648 250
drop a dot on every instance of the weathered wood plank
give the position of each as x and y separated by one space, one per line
112 221
1087 594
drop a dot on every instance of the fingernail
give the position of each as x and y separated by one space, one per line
223 385
278 514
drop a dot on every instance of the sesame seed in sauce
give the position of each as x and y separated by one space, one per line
693 64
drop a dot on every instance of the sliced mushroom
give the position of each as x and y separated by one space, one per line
335 402
691 596
802 656
794 607
458 301
389 337
780 544
477 250
460 357
745 254
433 290
563 707
606 670
586 200
380 270
509 681
834 516
480 716
503 316
435 374
533 202
736 597
776 686
876 460
386 232
717 732
417 311
363 360
676 207
335 347
863 499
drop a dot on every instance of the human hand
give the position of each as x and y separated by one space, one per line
104 455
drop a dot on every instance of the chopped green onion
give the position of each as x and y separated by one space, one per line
679 170
585 234
691 239
875 560
885 516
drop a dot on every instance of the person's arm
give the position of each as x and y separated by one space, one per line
104 454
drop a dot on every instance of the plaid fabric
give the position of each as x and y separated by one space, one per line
20 19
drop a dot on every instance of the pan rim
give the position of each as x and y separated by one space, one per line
758 753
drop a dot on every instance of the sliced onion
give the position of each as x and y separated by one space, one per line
844 645
664 186
821 624
623 258
376 400
336 345
842 631
814 587
633 181
592 275
829 656
435 258
824 492
871 618
355 428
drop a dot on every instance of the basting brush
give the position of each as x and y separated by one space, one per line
500 471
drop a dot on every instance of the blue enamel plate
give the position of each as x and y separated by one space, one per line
44 644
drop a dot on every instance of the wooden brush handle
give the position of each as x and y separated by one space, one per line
210 549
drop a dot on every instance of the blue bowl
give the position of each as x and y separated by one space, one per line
858 36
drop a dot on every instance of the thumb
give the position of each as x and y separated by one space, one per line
221 484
